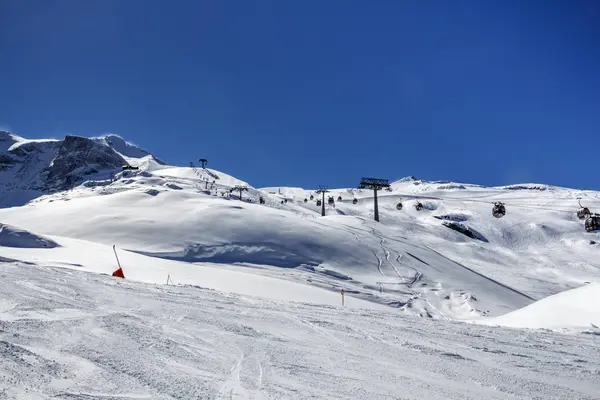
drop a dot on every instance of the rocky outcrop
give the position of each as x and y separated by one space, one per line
465 230
126 149
30 168
78 157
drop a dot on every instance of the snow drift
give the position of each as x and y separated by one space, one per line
575 309
14 237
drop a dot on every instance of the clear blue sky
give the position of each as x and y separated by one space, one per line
302 93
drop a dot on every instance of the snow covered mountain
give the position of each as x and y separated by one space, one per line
30 168
437 252
450 259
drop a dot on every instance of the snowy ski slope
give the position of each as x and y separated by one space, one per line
68 334
252 308
409 260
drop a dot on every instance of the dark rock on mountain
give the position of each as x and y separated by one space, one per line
79 156
31 168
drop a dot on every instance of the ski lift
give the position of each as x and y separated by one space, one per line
339 198
312 197
330 200
592 223
583 212
499 210
354 201
305 200
399 206
318 202
418 206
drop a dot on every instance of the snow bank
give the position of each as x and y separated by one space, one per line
92 257
573 309
15 237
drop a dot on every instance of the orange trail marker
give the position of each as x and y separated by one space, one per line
119 272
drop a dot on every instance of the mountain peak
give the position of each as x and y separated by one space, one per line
39 166
407 179
7 139
124 148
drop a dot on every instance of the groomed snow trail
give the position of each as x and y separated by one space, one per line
67 334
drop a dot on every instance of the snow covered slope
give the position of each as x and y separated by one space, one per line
411 260
98 258
229 297
68 334
575 309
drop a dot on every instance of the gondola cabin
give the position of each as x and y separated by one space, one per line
399 206
312 197
592 223
318 202
354 201
499 210
583 213
305 200
339 198
418 206
330 200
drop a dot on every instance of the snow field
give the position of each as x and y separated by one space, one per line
409 261
73 334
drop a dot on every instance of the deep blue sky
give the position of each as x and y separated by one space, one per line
302 93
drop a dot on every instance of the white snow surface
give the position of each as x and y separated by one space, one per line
573 309
14 237
67 334
252 308
409 260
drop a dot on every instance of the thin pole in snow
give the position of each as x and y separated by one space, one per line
115 250
119 272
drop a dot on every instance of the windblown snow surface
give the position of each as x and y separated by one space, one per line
229 298
67 334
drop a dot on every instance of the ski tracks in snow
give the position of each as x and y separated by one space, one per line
232 389
133 340
245 380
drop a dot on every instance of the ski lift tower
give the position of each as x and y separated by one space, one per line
322 189
204 161
375 184
240 189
